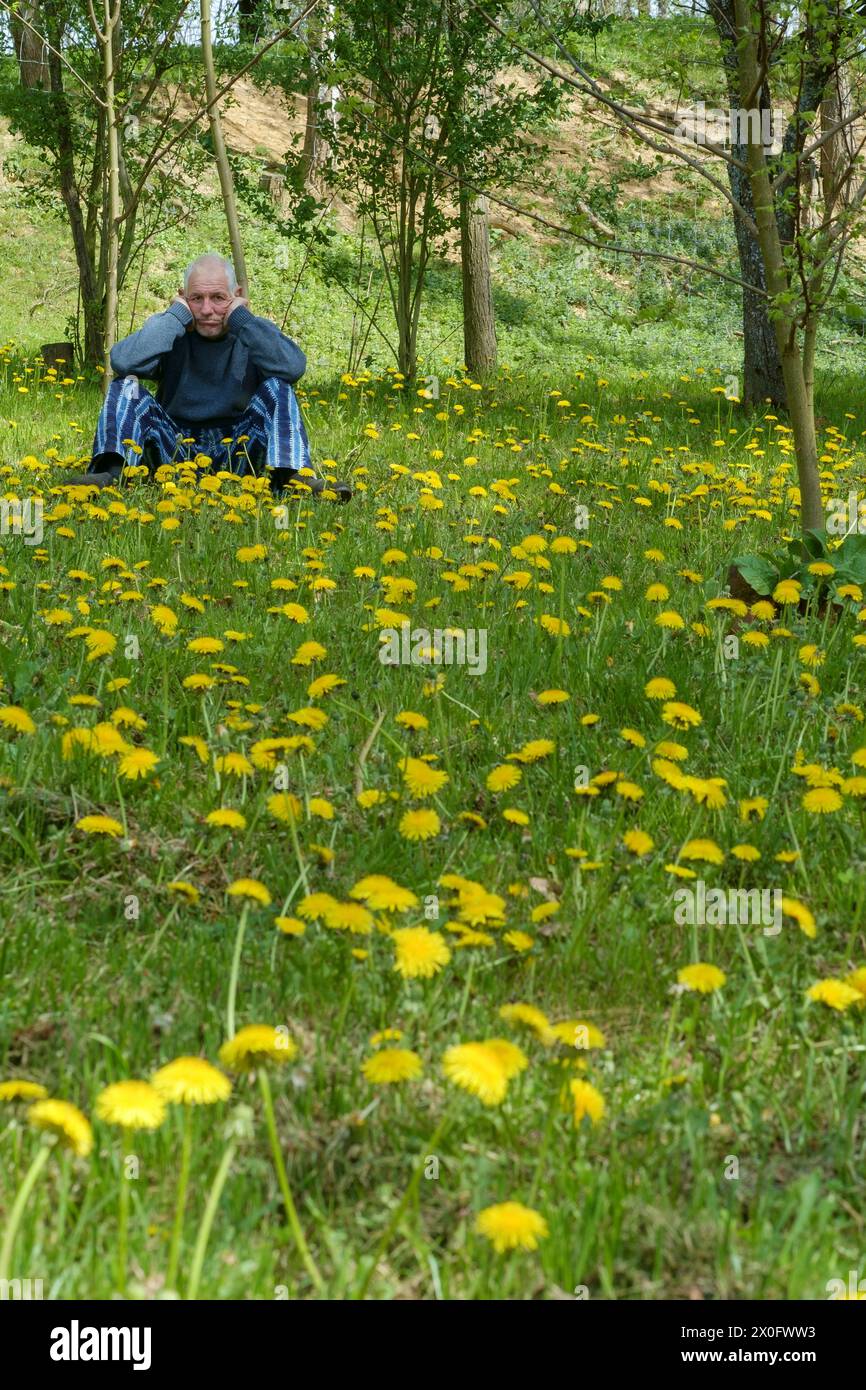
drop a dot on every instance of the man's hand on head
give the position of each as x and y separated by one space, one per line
180 298
239 297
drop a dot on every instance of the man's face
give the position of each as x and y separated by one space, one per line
208 297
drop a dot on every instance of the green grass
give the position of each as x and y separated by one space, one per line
639 1206
108 974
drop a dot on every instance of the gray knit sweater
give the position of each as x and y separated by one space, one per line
205 382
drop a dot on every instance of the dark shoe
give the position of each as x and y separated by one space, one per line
109 478
286 483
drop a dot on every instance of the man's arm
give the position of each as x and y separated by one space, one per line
270 350
141 353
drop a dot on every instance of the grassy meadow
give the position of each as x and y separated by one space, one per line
539 818
443 896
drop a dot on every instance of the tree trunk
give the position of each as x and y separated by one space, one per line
763 379
407 334
92 306
800 409
29 50
220 154
311 156
317 148
839 151
111 212
249 20
479 324
313 152
112 228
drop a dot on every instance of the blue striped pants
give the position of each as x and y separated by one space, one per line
272 425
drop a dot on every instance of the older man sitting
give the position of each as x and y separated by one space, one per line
224 389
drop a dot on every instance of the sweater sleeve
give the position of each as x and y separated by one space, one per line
270 350
141 353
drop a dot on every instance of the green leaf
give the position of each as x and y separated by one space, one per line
850 559
760 573
816 543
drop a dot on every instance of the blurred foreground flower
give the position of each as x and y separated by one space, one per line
511 1226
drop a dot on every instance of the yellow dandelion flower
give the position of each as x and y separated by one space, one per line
669 619
295 612
290 926
409 719
476 1069
205 645
798 911
637 842
706 851
22 1090
747 854
227 818
198 744
392 1065
679 715
139 763
184 890
314 906
284 806
836 994
351 917
370 798
382 894
310 717
857 980
99 825
16 719
552 697
787 591
821 801
323 685
586 1100
64 1120
164 618
99 643
249 889
511 1226
257 1043
503 778
576 1032
386 1035
705 979
660 688
421 779
555 627
419 825
191 1081
533 751
528 1016
512 1058
234 765
130 1104
420 953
